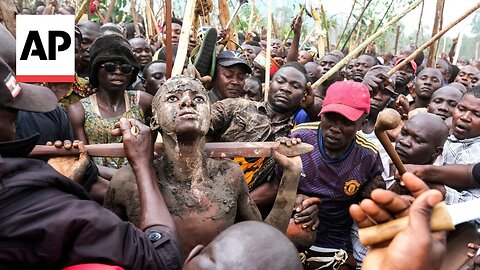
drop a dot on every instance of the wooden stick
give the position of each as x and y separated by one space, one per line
440 221
82 10
354 52
305 40
168 43
135 16
109 12
300 13
346 23
213 150
432 54
250 19
436 37
385 15
325 25
269 49
397 38
356 23
389 119
419 24
457 51
184 38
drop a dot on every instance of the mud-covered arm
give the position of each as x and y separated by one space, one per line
281 212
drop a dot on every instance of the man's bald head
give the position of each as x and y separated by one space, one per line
246 245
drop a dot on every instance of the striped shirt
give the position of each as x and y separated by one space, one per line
336 181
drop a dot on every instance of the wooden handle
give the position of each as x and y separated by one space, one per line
386 120
385 141
213 150
440 221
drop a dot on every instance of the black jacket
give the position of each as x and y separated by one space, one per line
48 222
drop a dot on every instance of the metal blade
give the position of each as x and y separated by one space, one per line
465 211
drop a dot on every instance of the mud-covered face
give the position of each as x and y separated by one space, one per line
181 106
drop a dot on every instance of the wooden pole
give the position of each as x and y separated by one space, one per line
184 38
346 23
168 41
109 11
252 14
135 17
82 10
354 52
385 15
325 25
213 150
269 49
302 8
457 49
397 37
434 38
432 54
356 23
419 24
224 14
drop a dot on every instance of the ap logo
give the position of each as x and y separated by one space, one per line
45 48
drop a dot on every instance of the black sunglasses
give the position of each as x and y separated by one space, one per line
111 67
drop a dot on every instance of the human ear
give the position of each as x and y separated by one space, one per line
154 123
195 251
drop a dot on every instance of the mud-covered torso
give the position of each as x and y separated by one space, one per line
201 209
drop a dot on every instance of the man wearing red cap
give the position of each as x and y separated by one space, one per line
341 170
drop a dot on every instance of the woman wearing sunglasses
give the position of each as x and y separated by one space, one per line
112 69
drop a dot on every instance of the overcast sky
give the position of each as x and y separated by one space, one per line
453 9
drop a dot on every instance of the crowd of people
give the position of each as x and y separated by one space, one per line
180 209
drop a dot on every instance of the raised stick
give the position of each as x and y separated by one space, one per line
168 43
386 120
356 23
364 44
346 23
430 41
269 49
82 10
184 38
213 150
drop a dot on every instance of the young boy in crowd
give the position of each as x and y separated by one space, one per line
205 196
342 169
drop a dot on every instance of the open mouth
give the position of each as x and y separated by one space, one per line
460 128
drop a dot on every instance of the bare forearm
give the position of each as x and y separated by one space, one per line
293 52
455 176
282 209
264 195
154 209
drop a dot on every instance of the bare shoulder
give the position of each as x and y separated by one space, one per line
122 196
225 169
122 184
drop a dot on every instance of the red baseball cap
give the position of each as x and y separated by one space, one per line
348 98
412 64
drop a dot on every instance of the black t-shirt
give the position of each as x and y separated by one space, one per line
51 126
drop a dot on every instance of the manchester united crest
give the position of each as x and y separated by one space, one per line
351 187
